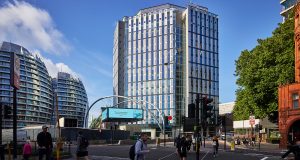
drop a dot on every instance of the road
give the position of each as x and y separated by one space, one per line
121 152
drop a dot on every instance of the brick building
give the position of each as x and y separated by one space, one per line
288 97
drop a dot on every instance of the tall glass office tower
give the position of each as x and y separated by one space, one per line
34 98
166 55
71 96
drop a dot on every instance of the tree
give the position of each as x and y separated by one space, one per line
96 122
261 71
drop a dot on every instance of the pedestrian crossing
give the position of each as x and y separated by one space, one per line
263 156
106 158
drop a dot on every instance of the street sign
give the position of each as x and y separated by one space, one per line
252 120
15 71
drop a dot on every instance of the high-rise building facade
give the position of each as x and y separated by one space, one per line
71 96
34 98
166 55
287 7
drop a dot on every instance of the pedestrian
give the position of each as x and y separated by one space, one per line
238 141
27 150
177 140
215 146
45 145
253 141
141 147
82 144
182 149
295 149
189 143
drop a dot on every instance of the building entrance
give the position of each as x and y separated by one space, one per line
294 132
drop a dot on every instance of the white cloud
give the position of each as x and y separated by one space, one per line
54 68
31 27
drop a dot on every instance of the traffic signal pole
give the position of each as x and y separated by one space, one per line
1 147
196 130
15 122
1 106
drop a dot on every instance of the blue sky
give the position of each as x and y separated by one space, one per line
77 36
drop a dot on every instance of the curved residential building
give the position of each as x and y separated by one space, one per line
72 97
34 98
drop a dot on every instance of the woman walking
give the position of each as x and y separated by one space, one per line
215 144
27 150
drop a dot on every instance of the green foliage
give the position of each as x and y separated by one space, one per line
260 71
95 123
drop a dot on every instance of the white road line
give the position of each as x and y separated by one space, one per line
167 156
264 158
254 154
205 155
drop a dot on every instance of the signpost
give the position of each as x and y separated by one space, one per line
15 83
252 123
15 71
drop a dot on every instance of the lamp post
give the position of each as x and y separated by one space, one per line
178 118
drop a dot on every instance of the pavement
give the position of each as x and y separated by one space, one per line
262 147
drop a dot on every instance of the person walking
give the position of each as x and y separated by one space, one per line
27 150
189 143
294 149
82 144
177 140
141 147
182 148
45 145
215 144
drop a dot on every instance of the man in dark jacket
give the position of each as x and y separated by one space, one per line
44 141
82 151
295 149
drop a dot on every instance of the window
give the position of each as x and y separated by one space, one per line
295 97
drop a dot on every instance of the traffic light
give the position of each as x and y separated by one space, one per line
219 120
207 109
7 111
166 120
258 127
191 110
223 120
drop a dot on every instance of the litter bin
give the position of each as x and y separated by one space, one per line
232 145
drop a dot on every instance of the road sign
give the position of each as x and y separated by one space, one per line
252 120
15 71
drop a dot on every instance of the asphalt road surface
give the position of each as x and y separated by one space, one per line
121 152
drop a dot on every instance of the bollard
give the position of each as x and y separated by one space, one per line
157 142
2 153
9 151
232 145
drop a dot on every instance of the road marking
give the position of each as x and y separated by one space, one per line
205 155
264 158
253 154
167 156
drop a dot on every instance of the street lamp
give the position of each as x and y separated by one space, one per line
177 118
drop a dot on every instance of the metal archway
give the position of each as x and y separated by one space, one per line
132 100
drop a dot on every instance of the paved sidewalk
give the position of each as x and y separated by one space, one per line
264 147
